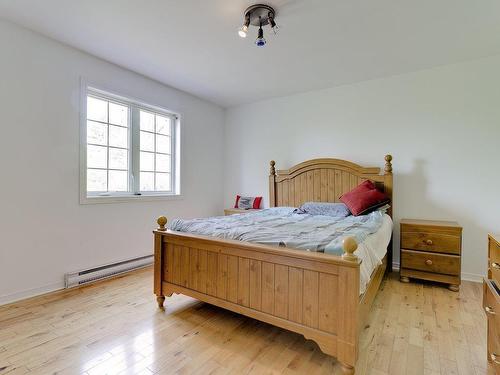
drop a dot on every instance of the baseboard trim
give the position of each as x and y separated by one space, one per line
29 293
464 276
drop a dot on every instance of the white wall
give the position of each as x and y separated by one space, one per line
44 231
441 125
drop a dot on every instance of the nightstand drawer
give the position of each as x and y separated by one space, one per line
494 260
491 305
430 262
432 242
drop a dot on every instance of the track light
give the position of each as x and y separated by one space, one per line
260 41
273 24
259 15
243 30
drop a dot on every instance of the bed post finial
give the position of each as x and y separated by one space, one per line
162 221
349 245
388 164
272 171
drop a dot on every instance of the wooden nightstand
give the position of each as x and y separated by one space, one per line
232 211
431 250
491 302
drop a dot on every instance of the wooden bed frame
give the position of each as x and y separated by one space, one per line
314 294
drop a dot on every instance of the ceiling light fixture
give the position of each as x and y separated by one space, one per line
243 30
259 15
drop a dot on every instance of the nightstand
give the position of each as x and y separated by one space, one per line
431 250
491 302
232 211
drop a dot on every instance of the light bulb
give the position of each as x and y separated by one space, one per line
260 41
273 24
242 31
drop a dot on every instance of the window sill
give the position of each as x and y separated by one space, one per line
128 198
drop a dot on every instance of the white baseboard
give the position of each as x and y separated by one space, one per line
465 275
14 297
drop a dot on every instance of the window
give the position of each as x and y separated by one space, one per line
129 150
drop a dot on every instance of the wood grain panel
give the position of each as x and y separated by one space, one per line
255 284
184 266
177 265
310 186
327 320
297 198
303 188
243 281
434 242
431 262
324 185
346 182
331 186
317 185
193 268
202 271
285 193
212 273
281 291
295 294
354 182
170 263
232 278
268 287
311 290
280 194
222 276
291 193
338 185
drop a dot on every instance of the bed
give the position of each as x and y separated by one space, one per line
311 293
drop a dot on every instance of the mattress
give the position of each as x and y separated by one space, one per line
372 250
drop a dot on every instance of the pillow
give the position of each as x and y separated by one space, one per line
326 209
247 202
364 198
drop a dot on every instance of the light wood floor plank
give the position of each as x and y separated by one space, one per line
114 327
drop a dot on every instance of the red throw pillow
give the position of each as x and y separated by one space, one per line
254 202
364 198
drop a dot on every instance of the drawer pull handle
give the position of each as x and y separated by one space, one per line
495 266
489 310
429 242
428 262
495 358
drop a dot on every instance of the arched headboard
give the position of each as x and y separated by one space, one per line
324 180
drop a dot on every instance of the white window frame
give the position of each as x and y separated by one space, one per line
134 149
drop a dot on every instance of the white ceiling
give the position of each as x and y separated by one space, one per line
193 45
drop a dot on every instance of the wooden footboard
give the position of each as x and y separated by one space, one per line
314 294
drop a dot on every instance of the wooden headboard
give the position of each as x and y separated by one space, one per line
323 180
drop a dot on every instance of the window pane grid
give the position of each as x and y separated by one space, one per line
125 142
109 123
118 148
111 174
155 133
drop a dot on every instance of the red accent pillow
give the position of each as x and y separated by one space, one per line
255 204
364 198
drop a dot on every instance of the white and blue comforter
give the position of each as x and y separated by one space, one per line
281 226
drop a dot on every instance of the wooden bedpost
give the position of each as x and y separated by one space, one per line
272 184
347 352
158 270
349 245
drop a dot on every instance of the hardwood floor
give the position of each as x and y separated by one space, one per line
114 327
